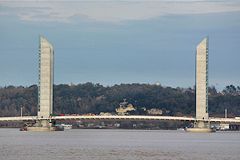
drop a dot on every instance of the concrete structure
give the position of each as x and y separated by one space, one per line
43 119
201 124
45 87
119 118
202 80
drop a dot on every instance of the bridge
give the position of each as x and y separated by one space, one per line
43 120
120 118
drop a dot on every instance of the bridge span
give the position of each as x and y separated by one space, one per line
119 118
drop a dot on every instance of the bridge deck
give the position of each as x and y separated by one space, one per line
116 117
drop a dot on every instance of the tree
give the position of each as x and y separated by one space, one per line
231 90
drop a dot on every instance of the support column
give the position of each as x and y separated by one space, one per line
45 87
201 124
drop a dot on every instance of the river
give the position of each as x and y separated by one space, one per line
101 144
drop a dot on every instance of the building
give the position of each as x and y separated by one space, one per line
124 108
154 111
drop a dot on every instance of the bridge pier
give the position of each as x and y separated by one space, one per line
201 126
43 125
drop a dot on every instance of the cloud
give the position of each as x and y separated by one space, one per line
111 11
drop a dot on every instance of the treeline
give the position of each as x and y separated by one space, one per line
95 98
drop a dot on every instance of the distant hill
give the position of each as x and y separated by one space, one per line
95 98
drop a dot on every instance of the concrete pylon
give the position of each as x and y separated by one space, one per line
201 124
45 87
202 83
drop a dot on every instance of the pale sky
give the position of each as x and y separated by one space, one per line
113 42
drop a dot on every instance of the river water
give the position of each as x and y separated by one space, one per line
100 144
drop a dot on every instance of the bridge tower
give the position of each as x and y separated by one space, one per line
202 83
45 86
201 124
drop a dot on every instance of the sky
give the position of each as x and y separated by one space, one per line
120 41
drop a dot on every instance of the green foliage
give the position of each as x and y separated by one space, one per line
13 98
95 98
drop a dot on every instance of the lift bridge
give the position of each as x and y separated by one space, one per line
119 118
43 120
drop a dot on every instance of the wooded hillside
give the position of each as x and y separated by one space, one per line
95 98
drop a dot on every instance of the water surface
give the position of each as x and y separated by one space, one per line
100 144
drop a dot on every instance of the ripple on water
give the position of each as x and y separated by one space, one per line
118 145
